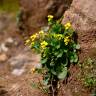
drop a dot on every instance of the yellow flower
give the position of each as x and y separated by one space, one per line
50 17
41 32
59 36
33 37
33 70
67 26
44 44
27 41
66 40
32 43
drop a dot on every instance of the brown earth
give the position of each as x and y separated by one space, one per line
33 14
15 55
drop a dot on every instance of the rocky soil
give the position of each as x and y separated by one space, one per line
82 15
16 61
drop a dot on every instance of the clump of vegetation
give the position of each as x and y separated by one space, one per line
88 73
58 49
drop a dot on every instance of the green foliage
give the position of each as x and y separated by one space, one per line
57 47
90 81
88 73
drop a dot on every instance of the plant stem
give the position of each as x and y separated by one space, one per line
42 86
53 91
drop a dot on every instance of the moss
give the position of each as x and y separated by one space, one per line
9 5
88 73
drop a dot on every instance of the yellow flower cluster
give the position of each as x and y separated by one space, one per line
50 17
66 40
44 44
27 41
32 44
67 26
30 41
41 32
58 36
33 37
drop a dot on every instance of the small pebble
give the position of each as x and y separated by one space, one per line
18 72
3 57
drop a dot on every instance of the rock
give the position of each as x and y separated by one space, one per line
18 72
33 14
24 58
20 60
3 47
7 44
9 40
3 57
38 66
82 15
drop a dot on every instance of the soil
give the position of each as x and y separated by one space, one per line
10 84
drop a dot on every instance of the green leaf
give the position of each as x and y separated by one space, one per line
46 79
56 53
52 64
77 46
65 50
63 74
53 72
73 57
60 54
65 62
56 28
58 46
43 61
